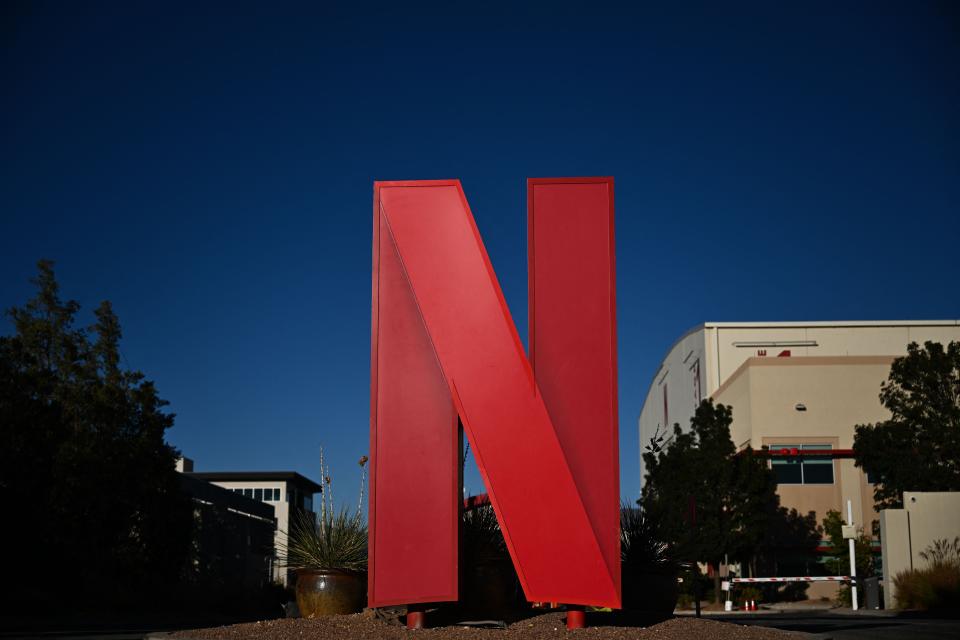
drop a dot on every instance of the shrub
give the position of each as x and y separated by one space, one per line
937 586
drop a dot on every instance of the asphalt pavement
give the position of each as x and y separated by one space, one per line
847 625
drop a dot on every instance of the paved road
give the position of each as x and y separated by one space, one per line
854 626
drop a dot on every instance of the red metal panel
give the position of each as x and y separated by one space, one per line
545 521
414 442
573 345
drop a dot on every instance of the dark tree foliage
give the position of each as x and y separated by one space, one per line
83 464
918 448
708 500
788 548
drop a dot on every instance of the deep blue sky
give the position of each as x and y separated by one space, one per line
209 169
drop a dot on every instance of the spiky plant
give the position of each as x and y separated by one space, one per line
943 553
641 549
332 542
481 536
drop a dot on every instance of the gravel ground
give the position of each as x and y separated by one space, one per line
550 625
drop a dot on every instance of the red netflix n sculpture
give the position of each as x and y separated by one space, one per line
543 428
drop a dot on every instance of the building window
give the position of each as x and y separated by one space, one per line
697 394
666 408
276 494
258 494
802 469
248 493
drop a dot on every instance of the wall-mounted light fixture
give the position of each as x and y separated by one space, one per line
800 407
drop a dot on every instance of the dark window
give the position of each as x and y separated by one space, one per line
276 495
802 469
248 493
817 469
788 470
258 494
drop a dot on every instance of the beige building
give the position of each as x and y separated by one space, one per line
798 389
797 405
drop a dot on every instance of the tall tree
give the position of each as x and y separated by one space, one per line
918 448
709 500
84 460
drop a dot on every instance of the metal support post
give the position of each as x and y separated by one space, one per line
853 559
576 617
416 616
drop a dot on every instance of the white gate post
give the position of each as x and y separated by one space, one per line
853 559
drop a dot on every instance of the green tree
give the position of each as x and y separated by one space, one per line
918 448
788 548
708 500
84 462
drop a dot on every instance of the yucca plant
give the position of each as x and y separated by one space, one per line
334 541
641 549
481 536
331 540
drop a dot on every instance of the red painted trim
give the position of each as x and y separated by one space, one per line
784 452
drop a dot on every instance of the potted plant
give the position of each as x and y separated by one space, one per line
489 583
648 573
328 554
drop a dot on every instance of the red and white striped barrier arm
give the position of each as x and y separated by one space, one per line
793 579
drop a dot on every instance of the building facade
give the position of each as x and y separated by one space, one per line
233 538
798 389
705 357
287 492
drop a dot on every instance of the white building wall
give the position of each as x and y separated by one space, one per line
676 390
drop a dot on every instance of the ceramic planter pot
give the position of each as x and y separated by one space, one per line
488 588
650 592
326 592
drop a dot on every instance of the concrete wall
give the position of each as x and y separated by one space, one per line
906 533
